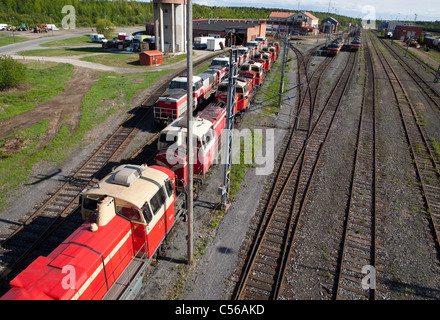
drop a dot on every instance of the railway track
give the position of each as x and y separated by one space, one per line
423 158
263 274
430 69
358 255
28 240
426 85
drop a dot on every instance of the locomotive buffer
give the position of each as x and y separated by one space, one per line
230 106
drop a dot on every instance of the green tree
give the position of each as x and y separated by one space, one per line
105 27
12 72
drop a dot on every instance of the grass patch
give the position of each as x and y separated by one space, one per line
78 41
45 81
269 93
6 40
104 98
65 52
110 93
15 167
129 60
436 147
238 171
432 53
115 59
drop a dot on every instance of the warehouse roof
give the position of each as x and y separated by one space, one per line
222 24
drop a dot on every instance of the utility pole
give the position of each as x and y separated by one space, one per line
407 46
190 144
286 40
51 26
437 75
232 77
10 21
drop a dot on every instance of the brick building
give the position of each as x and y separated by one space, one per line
403 32
235 31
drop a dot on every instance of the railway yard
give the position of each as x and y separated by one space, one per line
351 209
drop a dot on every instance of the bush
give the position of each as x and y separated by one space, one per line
106 28
12 72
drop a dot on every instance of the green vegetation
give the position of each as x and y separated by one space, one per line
5 40
123 12
115 60
433 26
12 72
128 60
436 147
105 27
65 52
111 93
239 170
270 93
15 167
44 81
78 41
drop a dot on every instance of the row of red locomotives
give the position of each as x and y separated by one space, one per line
129 213
173 103
127 216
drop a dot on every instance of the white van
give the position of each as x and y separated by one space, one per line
97 38
52 27
3 27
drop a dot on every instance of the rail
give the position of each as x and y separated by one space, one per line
263 274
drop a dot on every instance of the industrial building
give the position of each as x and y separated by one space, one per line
329 25
235 31
401 30
404 32
301 22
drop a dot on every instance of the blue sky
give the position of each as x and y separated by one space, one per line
383 9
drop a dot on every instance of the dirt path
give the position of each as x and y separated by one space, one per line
66 106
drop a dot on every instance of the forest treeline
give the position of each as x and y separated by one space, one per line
128 12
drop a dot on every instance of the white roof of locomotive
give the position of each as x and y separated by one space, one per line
184 79
131 183
201 126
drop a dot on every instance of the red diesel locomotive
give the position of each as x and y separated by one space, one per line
127 215
207 130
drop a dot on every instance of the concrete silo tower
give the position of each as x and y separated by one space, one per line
170 25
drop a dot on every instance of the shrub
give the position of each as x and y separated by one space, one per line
106 28
12 72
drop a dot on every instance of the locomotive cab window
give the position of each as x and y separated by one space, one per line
158 200
169 187
147 212
197 85
90 204
130 213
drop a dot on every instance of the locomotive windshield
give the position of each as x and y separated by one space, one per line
183 85
90 204
167 139
222 88
222 63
